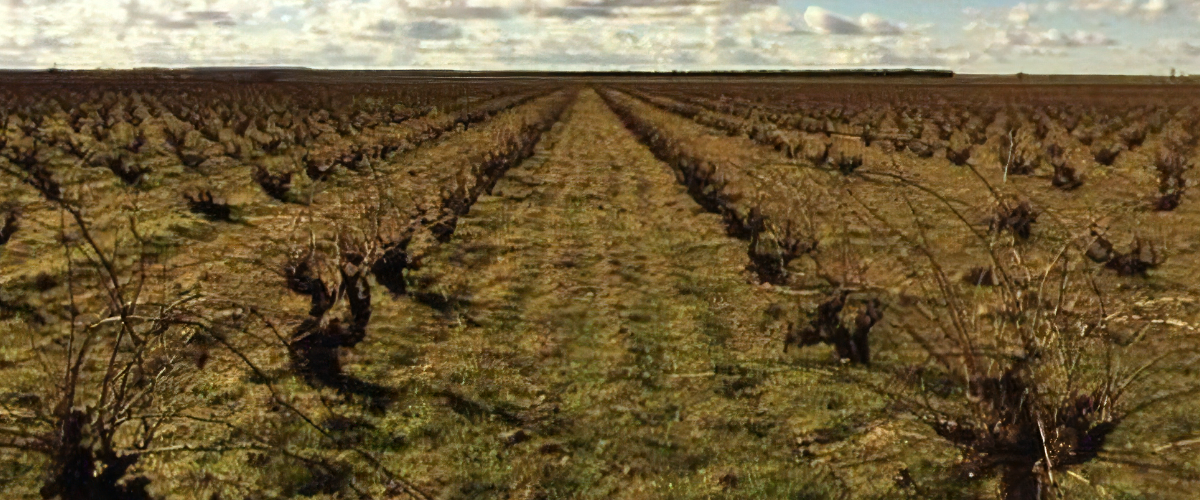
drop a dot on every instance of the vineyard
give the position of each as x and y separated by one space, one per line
537 288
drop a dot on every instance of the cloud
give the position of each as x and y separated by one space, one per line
907 51
1020 14
591 35
433 30
187 20
878 25
1175 53
462 10
1030 37
1116 6
1155 7
1127 8
1034 38
577 9
826 22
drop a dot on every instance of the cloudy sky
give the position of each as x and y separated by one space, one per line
970 36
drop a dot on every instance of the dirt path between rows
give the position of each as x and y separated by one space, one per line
606 340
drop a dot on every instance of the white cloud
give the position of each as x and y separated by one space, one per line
1115 6
875 24
1148 9
477 34
1019 14
1175 53
826 22
433 30
892 52
1155 6
1176 47
1034 42
585 34
1088 38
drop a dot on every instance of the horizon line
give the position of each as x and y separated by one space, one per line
271 73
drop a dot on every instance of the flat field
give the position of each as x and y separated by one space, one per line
288 284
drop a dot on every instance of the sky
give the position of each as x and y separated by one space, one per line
1139 37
